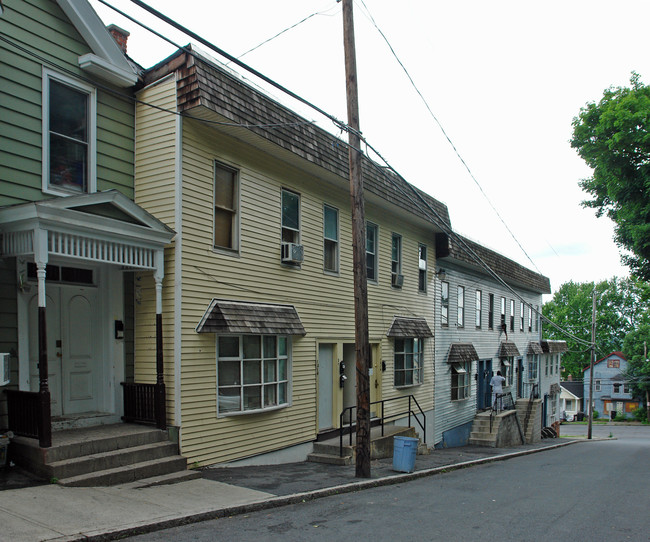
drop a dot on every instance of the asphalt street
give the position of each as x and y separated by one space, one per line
588 491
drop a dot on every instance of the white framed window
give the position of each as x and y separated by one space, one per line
69 135
503 312
491 311
252 373
226 203
290 217
597 385
330 239
461 306
422 268
396 261
460 381
444 303
371 251
546 366
533 362
507 369
512 315
617 388
530 318
521 316
408 362
478 308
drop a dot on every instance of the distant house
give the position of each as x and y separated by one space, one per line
611 395
571 397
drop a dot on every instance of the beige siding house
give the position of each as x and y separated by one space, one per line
258 291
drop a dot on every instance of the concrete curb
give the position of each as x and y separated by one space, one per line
296 498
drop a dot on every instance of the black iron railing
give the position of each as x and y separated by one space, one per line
28 414
382 419
139 403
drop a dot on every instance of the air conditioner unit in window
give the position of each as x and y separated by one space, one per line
4 369
398 280
292 253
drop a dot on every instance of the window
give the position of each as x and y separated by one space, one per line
444 303
396 261
521 316
408 362
478 308
626 388
225 207
461 306
503 312
530 319
546 366
512 315
69 128
252 372
533 362
617 388
330 239
597 386
536 318
507 366
557 363
422 268
491 311
460 380
290 217
371 251
551 365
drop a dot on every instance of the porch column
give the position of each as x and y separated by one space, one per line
44 414
160 407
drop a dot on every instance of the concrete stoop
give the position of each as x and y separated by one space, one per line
504 432
381 446
104 456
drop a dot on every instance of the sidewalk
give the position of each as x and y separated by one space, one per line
52 512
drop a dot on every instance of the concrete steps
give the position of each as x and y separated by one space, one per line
104 456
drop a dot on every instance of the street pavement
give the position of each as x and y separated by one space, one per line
32 511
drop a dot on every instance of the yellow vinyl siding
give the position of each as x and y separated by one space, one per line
324 302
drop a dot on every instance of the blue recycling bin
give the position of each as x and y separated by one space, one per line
404 451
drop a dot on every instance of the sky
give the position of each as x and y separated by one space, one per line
504 79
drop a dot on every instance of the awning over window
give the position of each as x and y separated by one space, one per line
554 347
534 348
245 317
462 353
409 327
507 349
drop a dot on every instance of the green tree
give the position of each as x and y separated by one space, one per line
637 374
613 138
621 307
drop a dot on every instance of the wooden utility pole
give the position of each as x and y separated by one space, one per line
647 391
593 360
362 340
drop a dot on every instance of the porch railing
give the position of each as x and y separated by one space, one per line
142 404
412 404
26 415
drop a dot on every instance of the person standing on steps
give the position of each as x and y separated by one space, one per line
497 382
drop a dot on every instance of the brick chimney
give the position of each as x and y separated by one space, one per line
570 378
119 35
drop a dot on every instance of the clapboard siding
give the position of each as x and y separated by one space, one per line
8 327
44 31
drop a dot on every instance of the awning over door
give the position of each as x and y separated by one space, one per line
409 327
534 348
245 317
508 349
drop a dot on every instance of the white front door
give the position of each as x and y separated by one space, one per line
73 348
325 386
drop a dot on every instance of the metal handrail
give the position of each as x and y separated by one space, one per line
534 394
499 401
383 418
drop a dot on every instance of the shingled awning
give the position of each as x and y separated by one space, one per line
507 349
534 348
554 347
409 327
462 353
245 317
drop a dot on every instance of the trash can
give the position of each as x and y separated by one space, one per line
404 451
581 416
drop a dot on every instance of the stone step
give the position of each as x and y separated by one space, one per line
332 449
163 480
329 459
491 443
68 468
128 473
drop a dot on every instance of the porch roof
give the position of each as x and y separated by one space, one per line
462 353
409 327
507 349
104 227
245 317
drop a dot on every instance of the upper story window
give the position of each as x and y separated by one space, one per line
533 362
371 251
530 318
422 268
252 373
461 306
290 217
226 199
597 386
396 261
521 316
479 307
617 388
503 312
408 362
536 318
512 315
330 239
491 311
69 132
444 303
